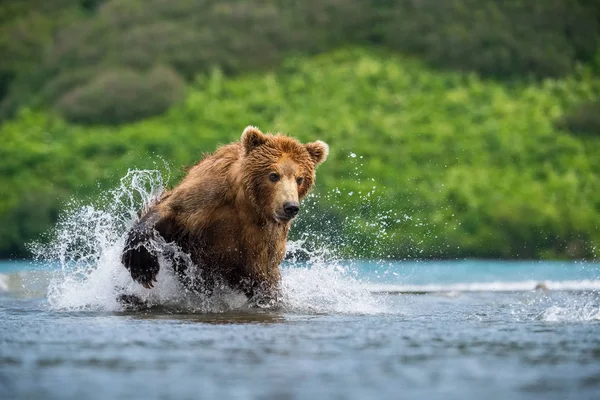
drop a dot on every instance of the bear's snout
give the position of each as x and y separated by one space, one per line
291 208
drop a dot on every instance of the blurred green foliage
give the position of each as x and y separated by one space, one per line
423 163
118 96
497 38
583 119
58 49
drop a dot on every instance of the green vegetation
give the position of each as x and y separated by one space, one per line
494 153
54 52
583 119
117 96
447 164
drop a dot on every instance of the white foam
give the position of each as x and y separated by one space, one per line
4 283
499 286
328 287
571 313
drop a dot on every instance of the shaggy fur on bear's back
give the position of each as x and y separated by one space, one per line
231 214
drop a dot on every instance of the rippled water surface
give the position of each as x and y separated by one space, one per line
446 343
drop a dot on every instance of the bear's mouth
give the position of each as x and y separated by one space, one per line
283 219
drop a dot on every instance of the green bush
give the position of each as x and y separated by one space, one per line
120 96
495 38
37 210
191 37
57 87
195 36
584 119
27 29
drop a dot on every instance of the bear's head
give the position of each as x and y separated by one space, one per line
279 171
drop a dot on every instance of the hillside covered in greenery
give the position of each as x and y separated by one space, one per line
95 61
428 163
462 128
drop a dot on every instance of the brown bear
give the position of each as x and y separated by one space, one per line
229 216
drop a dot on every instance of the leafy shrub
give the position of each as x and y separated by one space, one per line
91 5
119 96
585 119
195 36
31 218
27 28
191 37
495 38
57 87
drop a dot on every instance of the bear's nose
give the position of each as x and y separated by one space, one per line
291 208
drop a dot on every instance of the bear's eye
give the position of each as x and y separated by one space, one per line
274 177
299 180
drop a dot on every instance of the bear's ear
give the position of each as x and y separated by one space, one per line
318 151
252 137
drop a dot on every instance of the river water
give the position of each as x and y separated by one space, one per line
463 329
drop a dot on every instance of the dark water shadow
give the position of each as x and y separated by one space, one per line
223 318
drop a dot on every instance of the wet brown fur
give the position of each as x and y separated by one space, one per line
227 214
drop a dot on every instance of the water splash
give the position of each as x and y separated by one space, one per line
584 312
87 243
582 308
324 286
89 238
569 304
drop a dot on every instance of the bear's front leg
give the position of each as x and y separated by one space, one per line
139 256
262 294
